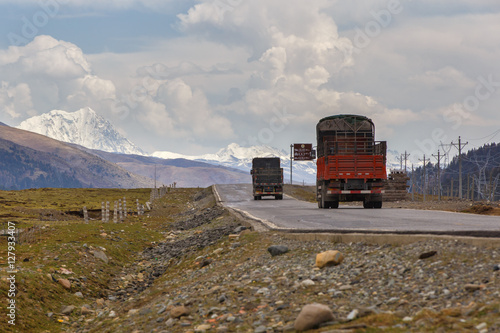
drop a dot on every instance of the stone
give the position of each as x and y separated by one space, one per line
276 250
132 312
162 309
345 287
329 258
65 283
101 255
473 287
79 294
260 329
307 283
205 262
202 328
67 309
427 255
179 311
85 310
100 303
353 315
312 315
218 251
239 229
112 314
481 326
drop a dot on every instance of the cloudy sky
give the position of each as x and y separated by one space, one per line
194 76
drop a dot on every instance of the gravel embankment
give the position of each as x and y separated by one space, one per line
186 284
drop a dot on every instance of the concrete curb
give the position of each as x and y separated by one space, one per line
391 239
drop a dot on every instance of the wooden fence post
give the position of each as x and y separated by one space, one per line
85 215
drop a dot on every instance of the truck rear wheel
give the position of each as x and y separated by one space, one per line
377 204
331 204
368 204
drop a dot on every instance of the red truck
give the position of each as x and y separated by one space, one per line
351 165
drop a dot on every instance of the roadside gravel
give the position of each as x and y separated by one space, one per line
212 274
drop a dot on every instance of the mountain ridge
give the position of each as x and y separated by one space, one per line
83 127
29 158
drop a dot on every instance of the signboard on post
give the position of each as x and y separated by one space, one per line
303 152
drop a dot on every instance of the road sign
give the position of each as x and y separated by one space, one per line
302 152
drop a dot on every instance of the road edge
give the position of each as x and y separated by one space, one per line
379 238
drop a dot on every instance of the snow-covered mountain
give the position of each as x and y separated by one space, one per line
83 127
238 157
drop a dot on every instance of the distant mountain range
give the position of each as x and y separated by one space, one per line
184 172
83 127
85 130
235 156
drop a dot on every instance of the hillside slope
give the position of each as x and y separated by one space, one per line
33 160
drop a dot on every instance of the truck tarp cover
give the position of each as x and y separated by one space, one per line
352 123
266 162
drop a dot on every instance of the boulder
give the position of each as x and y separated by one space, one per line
65 283
427 255
277 250
179 311
101 255
67 309
329 258
312 315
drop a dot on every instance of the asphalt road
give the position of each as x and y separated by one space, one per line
298 216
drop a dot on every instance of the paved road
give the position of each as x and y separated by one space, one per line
294 215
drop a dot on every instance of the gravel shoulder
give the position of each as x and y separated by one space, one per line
211 273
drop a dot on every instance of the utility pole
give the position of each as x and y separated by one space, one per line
446 153
412 183
438 157
291 158
459 146
406 155
424 187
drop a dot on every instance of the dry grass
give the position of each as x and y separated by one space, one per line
68 243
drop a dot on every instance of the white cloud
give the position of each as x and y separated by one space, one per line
190 110
53 74
15 99
443 78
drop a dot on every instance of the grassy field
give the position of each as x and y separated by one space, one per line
64 244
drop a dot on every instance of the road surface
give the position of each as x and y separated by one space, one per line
299 216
